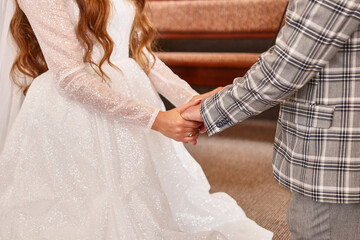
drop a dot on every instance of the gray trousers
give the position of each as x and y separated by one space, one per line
312 220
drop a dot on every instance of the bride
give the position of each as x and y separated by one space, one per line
86 157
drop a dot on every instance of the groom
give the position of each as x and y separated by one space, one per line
313 71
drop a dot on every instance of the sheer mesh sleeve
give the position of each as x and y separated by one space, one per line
56 34
168 84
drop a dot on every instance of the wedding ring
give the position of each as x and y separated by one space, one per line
190 135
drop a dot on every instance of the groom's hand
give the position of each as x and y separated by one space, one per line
193 114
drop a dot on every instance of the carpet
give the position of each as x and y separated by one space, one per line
238 162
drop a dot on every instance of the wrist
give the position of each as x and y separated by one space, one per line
157 123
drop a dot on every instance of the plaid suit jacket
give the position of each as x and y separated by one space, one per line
313 71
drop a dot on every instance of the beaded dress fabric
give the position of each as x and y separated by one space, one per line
81 160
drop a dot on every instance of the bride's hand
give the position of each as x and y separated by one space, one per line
206 95
172 125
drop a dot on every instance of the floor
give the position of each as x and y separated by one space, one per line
238 162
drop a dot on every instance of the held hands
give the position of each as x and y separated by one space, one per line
183 124
193 113
172 125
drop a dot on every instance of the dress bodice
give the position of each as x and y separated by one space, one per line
119 27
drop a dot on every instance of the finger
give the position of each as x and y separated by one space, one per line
191 139
192 131
194 142
203 129
182 108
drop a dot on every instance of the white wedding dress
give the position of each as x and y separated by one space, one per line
81 162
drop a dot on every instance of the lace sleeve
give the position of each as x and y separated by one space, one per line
168 84
56 34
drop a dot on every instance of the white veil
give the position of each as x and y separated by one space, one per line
10 96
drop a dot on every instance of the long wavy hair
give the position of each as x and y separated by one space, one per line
93 20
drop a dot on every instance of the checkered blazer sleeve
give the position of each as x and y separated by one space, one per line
314 31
